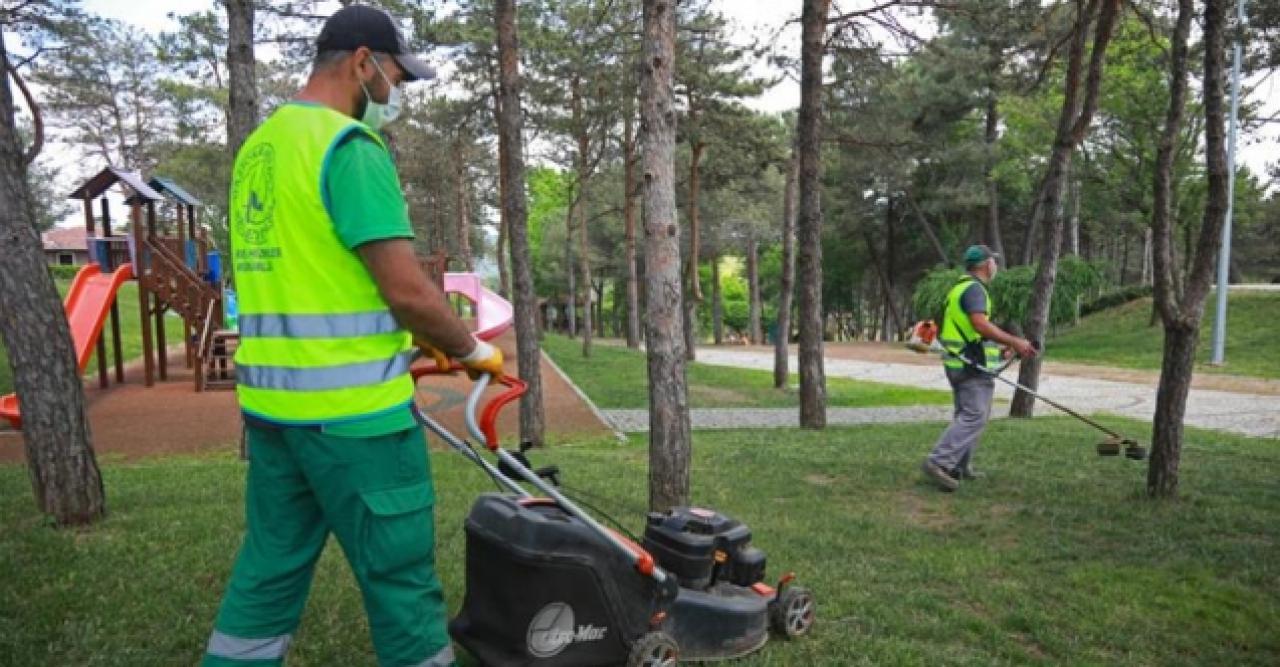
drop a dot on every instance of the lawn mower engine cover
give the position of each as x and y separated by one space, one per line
544 590
717 613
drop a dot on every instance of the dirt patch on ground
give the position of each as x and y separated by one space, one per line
926 511
821 480
132 421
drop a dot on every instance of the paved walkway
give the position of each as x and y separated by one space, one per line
637 421
1245 413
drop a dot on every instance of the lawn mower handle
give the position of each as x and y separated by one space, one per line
485 429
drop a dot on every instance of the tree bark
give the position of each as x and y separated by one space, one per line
782 338
582 167
629 225
61 465
669 438
717 303
571 300
1073 123
1182 313
813 384
753 292
532 418
242 100
991 137
462 226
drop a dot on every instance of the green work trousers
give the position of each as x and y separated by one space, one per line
375 495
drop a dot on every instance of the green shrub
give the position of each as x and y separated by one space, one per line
1116 297
63 272
1011 290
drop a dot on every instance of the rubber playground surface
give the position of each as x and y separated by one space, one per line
131 421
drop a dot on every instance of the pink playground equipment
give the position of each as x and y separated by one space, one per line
493 313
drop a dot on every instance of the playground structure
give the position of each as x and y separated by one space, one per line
173 273
177 271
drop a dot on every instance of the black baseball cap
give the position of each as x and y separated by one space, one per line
355 26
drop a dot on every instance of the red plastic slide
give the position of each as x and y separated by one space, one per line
87 303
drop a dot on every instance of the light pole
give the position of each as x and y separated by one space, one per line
1224 259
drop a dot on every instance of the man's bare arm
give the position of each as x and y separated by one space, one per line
417 303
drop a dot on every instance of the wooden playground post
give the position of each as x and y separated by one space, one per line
144 295
107 262
157 307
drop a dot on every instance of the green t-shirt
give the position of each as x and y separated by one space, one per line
361 191
363 197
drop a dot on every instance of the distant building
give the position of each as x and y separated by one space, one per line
65 246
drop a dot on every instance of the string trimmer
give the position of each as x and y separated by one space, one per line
1109 447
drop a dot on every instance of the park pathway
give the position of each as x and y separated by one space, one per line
1252 414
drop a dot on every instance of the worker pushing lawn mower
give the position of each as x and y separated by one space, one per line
973 359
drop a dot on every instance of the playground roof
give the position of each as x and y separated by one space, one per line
108 177
167 186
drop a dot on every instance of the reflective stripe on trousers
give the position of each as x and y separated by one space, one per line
243 648
290 378
444 658
345 325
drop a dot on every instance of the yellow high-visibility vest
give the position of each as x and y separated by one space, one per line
957 330
318 344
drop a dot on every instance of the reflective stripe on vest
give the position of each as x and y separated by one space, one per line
243 648
323 378
318 343
444 658
347 325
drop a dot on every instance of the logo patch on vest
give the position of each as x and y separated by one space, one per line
552 630
254 199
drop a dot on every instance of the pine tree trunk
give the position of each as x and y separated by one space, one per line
1171 405
1183 313
579 209
242 101
669 438
991 137
1073 123
500 253
717 303
753 292
629 228
693 295
813 384
783 336
61 465
462 226
532 418
571 300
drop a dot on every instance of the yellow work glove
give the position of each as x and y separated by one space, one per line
441 359
484 359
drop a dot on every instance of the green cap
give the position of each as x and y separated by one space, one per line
977 254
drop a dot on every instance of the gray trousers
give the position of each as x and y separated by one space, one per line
971 394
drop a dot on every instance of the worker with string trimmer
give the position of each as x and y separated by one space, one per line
968 335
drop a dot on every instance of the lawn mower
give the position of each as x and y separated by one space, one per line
923 340
549 585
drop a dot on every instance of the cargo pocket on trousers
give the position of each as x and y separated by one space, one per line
398 532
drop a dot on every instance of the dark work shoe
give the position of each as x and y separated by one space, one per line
967 473
939 476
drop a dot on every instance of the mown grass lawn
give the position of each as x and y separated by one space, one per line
617 377
1121 337
130 334
1054 558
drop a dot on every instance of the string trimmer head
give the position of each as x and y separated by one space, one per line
1132 450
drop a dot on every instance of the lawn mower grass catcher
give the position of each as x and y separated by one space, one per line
548 585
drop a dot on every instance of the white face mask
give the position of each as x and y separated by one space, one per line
378 115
